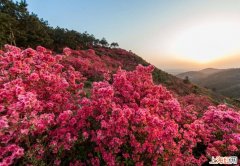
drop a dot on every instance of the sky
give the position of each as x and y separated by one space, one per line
174 35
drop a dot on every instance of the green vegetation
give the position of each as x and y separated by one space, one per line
24 29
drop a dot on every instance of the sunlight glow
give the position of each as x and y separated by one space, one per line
208 41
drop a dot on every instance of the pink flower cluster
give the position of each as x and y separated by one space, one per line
135 120
91 65
47 118
37 92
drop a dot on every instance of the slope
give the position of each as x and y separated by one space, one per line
223 81
104 59
197 76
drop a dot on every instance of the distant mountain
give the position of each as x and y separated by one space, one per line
198 76
175 71
193 76
209 71
223 81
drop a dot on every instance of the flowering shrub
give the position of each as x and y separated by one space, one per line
193 107
134 120
46 118
223 124
91 65
216 133
38 98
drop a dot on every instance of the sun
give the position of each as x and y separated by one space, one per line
207 41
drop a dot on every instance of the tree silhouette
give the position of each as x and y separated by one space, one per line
114 44
104 42
186 80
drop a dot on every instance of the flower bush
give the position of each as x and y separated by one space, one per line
46 118
37 95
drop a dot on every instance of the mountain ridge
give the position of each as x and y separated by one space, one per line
222 81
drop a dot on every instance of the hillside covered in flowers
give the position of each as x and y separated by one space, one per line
94 107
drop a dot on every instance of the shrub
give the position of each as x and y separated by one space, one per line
46 118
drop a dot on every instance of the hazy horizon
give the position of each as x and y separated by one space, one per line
172 35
